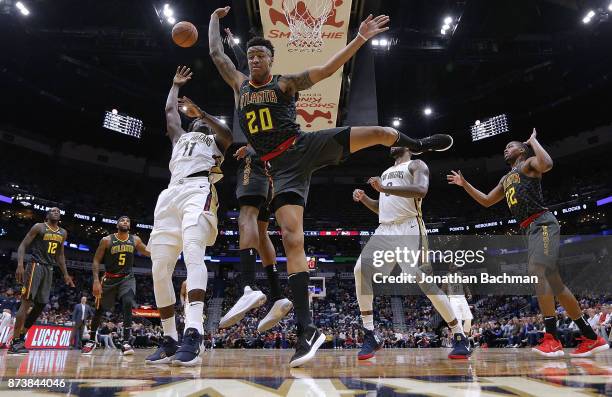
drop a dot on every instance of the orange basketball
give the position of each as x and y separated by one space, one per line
184 34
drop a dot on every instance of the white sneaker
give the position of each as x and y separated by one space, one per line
279 310
249 300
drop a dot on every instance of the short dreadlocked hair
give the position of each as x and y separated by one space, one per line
260 41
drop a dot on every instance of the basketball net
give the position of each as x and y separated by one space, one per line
305 19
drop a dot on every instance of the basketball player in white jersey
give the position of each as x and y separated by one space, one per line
402 188
186 220
456 294
6 320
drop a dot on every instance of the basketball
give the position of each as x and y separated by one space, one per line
184 34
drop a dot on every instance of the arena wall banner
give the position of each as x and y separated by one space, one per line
149 313
48 337
317 107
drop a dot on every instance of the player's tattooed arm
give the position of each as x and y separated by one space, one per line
173 119
419 186
292 83
486 200
369 28
95 267
62 262
25 243
224 64
140 247
360 196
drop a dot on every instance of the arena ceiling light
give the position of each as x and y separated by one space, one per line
236 40
449 25
428 111
610 7
588 17
397 121
383 43
22 8
489 127
165 14
122 123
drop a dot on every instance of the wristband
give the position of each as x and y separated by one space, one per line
362 36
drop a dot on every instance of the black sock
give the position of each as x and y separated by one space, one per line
275 289
550 325
298 282
247 267
585 328
405 141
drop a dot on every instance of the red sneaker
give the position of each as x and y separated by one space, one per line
549 347
588 347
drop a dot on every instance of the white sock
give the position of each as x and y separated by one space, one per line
457 329
368 321
169 326
193 316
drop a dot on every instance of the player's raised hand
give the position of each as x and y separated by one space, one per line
222 12
182 76
358 195
189 108
456 178
376 183
532 138
371 26
68 280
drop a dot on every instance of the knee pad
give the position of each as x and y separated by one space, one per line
37 308
197 274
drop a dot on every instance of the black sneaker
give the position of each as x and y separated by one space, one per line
164 353
461 348
309 341
371 344
17 346
434 143
188 355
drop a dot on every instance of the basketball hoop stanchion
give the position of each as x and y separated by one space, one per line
305 19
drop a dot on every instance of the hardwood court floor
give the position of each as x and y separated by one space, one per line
253 373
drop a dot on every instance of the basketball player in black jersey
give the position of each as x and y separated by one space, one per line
523 192
266 106
116 251
46 242
254 193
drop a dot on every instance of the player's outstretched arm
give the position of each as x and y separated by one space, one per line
223 135
541 162
418 188
95 267
486 200
25 243
369 28
140 247
173 119
224 64
360 196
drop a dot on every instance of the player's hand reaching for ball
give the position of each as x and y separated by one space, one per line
189 108
182 76
358 195
371 26
222 12
241 152
68 280
456 178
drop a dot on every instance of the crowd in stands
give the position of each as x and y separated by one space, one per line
499 321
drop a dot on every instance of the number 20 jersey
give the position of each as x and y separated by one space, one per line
195 152
266 115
